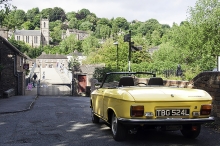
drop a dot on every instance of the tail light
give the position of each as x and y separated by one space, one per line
137 111
206 109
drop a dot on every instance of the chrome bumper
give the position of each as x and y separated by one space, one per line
167 121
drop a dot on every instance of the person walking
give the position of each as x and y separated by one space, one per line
34 77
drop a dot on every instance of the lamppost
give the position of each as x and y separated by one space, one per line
116 43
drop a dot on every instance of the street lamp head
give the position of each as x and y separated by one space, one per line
115 43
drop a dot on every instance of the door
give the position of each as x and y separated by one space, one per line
82 83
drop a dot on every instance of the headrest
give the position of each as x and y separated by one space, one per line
126 81
155 81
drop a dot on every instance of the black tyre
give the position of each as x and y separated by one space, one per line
189 133
118 130
95 119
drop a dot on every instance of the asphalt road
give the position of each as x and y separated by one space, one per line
66 121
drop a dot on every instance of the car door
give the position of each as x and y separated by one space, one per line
98 101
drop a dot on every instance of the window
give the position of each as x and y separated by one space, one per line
18 38
27 39
35 39
20 61
44 24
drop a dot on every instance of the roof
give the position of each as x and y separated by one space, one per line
13 48
51 56
89 69
28 32
75 53
76 30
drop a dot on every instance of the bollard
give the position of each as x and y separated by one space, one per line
38 88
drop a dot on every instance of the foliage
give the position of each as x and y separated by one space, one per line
57 14
73 64
85 26
100 73
190 73
27 25
27 71
5 7
20 45
89 45
82 14
70 44
30 15
56 33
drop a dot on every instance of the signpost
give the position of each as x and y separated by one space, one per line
127 38
26 66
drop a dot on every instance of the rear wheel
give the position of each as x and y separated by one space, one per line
118 130
95 119
191 131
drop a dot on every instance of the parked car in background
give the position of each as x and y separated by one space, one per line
131 101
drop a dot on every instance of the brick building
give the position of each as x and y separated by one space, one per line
12 74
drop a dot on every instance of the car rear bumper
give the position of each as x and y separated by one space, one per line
167 121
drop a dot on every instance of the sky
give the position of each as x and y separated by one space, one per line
165 11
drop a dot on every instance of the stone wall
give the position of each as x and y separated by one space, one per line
210 82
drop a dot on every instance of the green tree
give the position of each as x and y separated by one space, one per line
119 24
149 26
82 14
155 38
70 15
27 25
90 44
57 14
74 23
48 12
56 35
86 26
9 21
20 45
32 13
5 9
199 38
70 44
134 25
102 31
20 18
104 21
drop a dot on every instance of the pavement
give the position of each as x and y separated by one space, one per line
19 103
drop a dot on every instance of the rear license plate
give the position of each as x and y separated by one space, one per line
172 112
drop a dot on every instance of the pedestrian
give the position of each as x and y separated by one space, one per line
34 77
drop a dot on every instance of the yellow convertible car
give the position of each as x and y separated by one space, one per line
129 101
